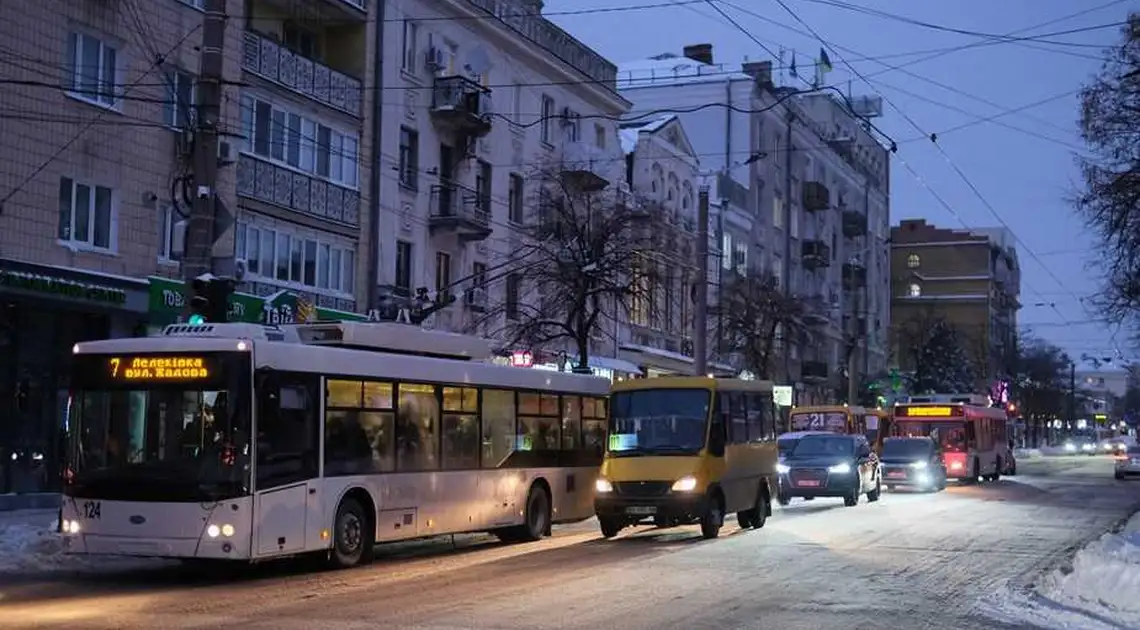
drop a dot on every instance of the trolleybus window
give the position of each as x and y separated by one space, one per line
460 428
498 426
153 427
417 428
288 432
359 439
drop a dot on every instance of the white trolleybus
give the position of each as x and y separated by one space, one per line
245 442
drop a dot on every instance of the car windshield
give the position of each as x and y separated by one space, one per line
906 449
658 421
786 445
814 445
159 433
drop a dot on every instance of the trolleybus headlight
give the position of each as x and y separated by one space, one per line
688 483
782 469
840 469
69 527
603 485
213 531
227 530
918 465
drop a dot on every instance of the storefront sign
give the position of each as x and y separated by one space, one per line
168 306
61 287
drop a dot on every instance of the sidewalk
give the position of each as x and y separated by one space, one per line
29 501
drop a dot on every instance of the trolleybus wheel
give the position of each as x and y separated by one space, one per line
352 538
537 515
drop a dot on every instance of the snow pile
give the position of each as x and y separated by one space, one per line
1027 453
1098 590
29 544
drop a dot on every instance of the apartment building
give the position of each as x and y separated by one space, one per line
972 279
480 99
663 172
806 188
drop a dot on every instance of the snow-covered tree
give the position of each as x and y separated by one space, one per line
941 364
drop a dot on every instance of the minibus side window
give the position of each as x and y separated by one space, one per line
717 428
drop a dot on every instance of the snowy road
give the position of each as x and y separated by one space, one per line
909 561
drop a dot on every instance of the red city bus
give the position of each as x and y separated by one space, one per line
972 437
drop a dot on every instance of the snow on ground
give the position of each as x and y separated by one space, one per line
1097 590
29 544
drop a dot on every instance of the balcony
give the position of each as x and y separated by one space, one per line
458 210
816 254
817 310
814 371
816 196
854 276
586 166
286 188
854 223
272 61
461 106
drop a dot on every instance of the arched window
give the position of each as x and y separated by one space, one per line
913 261
914 290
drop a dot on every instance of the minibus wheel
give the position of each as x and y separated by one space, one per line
610 526
713 518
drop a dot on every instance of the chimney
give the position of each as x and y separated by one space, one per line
701 53
760 71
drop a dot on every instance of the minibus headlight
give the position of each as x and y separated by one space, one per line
603 485
688 483
782 468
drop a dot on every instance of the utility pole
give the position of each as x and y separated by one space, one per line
200 228
790 197
701 297
1072 394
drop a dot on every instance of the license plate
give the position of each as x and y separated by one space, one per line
808 483
641 509
898 474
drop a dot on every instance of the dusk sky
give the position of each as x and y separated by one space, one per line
1021 162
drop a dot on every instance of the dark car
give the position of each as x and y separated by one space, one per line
830 466
913 461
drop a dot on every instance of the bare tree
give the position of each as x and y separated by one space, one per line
932 351
1110 199
591 256
753 314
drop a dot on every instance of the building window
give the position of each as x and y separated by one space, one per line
600 136
479 274
547 119
483 187
92 70
442 276
167 218
411 35
403 279
86 214
573 123
914 290
511 299
726 251
301 40
913 261
515 199
517 97
740 258
409 158
300 142
778 211
310 262
178 110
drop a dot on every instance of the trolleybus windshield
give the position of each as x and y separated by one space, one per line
159 427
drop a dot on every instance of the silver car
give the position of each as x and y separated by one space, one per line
1128 463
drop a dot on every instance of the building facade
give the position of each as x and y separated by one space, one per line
813 187
971 279
481 103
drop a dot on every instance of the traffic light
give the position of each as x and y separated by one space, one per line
210 301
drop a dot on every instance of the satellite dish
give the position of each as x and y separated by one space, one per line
478 62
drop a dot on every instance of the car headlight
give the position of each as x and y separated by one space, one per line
603 485
918 465
688 483
840 469
1069 446
1087 447
782 469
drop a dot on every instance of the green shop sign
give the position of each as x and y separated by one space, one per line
168 306
60 287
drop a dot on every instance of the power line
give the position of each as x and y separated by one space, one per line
157 62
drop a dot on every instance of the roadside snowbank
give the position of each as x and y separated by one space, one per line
1098 590
29 544
1027 453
